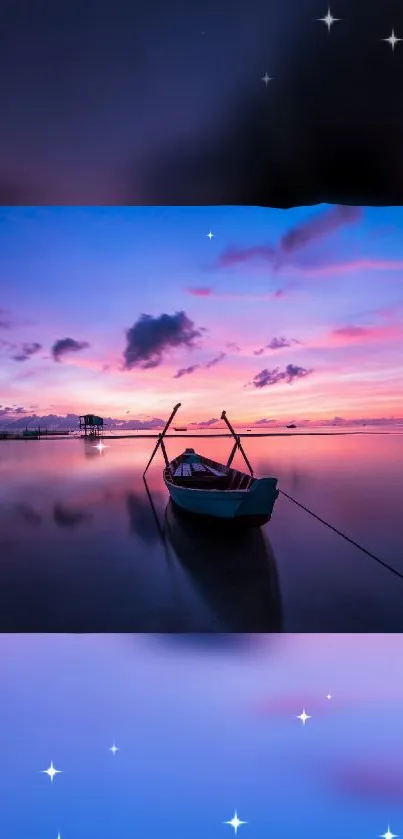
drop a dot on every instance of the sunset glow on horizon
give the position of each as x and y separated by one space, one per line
280 315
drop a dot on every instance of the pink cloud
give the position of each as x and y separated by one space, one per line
290 705
270 295
234 256
389 311
362 264
352 331
86 364
199 292
359 334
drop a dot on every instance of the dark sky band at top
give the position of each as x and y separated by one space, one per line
264 103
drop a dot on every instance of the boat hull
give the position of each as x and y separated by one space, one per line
252 507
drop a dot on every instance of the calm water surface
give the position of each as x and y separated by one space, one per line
203 726
81 550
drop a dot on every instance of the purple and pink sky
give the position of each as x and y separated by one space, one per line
124 311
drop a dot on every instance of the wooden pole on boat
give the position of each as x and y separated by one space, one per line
160 436
232 455
164 452
238 439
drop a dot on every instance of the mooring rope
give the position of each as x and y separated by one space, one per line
343 535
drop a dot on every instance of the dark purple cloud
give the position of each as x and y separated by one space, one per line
319 226
206 423
67 345
322 224
351 331
33 420
216 360
7 409
27 350
267 377
186 371
149 338
272 377
233 347
151 424
70 421
235 256
276 344
13 417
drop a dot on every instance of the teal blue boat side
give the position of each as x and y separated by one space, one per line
260 499
257 501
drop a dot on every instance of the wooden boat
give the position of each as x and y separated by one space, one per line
291 425
180 429
203 487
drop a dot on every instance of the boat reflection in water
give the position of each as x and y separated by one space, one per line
233 569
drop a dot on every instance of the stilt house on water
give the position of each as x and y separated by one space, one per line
91 424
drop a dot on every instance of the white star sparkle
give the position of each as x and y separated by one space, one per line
392 40
388 834
266 79
51 771
114 749
329 696
210 236
100 447
329 20
235 822
303 717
